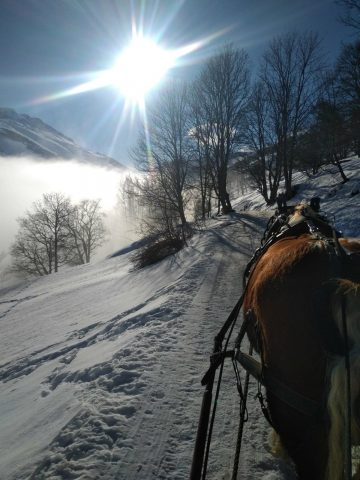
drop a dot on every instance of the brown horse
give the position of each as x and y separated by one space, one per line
295 293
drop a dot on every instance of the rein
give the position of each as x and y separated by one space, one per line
277 228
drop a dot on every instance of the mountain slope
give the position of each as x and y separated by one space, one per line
25 135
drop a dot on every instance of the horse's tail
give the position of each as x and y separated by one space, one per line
337 402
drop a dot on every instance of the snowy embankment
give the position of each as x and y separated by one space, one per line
100 366
340 202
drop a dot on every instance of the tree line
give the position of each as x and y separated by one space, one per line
56 232
295 112
184 148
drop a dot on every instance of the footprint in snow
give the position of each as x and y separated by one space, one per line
157 395
124 378
127 411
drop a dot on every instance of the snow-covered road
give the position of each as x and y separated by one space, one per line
101 367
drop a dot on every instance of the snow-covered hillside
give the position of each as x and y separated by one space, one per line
340 202
100 365
28 136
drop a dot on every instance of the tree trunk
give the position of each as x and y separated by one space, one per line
342 173
56 254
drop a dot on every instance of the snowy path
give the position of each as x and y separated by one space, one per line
117 392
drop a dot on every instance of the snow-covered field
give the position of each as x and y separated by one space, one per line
100 365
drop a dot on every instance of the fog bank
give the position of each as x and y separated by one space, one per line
24 181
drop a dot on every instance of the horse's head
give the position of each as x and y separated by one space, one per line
294 220
303 211
307 214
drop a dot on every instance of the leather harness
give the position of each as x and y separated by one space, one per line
278 228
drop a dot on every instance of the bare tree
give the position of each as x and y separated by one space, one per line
290 73
29 255
159 220
351 15
347 74
164 154
39 245
331 134
86 231
309 154
263 164
220 97
128 198
55 232
202 168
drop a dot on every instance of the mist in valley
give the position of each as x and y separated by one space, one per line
24 180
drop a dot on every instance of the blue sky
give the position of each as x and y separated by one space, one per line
48 46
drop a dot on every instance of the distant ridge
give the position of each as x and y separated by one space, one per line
23 135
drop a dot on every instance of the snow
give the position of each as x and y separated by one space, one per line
337 200
101 364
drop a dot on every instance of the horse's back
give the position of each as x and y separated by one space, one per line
282 294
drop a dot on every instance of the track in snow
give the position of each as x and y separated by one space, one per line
140 406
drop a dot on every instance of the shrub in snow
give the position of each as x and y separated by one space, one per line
156 251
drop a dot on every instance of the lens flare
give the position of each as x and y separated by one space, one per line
140 67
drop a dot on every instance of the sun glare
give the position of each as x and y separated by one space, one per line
140 67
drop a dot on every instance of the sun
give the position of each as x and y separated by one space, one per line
140 67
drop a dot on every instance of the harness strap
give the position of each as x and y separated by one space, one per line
216 360
264 407
219 355
293 399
